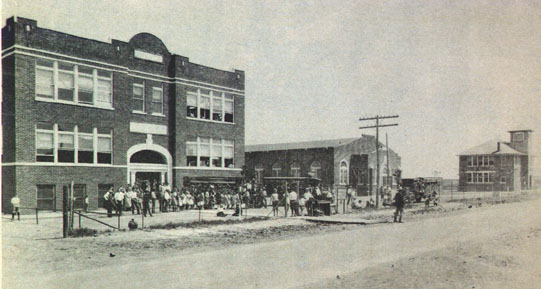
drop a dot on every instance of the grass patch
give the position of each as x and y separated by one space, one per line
206 223
82 232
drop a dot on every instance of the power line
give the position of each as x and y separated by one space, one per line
377 118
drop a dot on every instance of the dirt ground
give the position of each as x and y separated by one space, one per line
25 252
509 261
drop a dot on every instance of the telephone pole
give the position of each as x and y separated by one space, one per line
377 118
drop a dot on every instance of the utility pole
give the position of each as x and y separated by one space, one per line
377 126
389 181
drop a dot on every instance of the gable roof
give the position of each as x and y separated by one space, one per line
491 147
299 145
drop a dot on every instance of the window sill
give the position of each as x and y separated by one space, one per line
60 164
158 114
208 168
72 103
139 112
209 120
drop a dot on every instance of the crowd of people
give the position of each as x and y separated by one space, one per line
148 198
299 204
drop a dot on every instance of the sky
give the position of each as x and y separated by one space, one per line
458 73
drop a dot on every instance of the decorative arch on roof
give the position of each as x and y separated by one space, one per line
148 43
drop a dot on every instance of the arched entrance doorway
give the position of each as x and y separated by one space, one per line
149 162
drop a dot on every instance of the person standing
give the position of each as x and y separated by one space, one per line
294 204
86 202
134 196
399 203
147 198
119 198
128 199
264 197
302 204
153 197
166 200
275 199
109 202
15 204
287 204
309 199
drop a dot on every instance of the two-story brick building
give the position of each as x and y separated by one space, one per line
101 114
338 162
497 165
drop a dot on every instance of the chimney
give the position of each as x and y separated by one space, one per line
520 140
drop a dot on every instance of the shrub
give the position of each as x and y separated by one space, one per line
82 232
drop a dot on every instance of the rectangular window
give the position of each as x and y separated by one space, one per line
78 84
229 153
46 197
217 108
138 98
228 108
503 180
208 152
44 143
65 86
470 161
66 144
209 105
204 152
157 101
105 149
204 104
470 177
44 82
474 161
191 104
491 160
217 153
85 89
104 95
191 153
85 153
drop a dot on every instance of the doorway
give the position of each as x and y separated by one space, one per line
148 176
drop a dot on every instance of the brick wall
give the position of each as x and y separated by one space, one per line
366 145
27 177
503 167
21 111
304 157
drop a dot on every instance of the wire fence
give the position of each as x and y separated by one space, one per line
454 195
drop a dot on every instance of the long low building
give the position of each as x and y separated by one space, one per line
338 162
100 114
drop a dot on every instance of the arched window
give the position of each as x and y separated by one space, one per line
315 168
276 168
295 169
344 173
259 173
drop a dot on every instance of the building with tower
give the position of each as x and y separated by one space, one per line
498 165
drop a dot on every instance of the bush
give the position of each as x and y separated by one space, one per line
82 232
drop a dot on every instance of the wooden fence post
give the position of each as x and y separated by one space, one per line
65 223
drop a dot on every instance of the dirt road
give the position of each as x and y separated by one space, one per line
308 260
